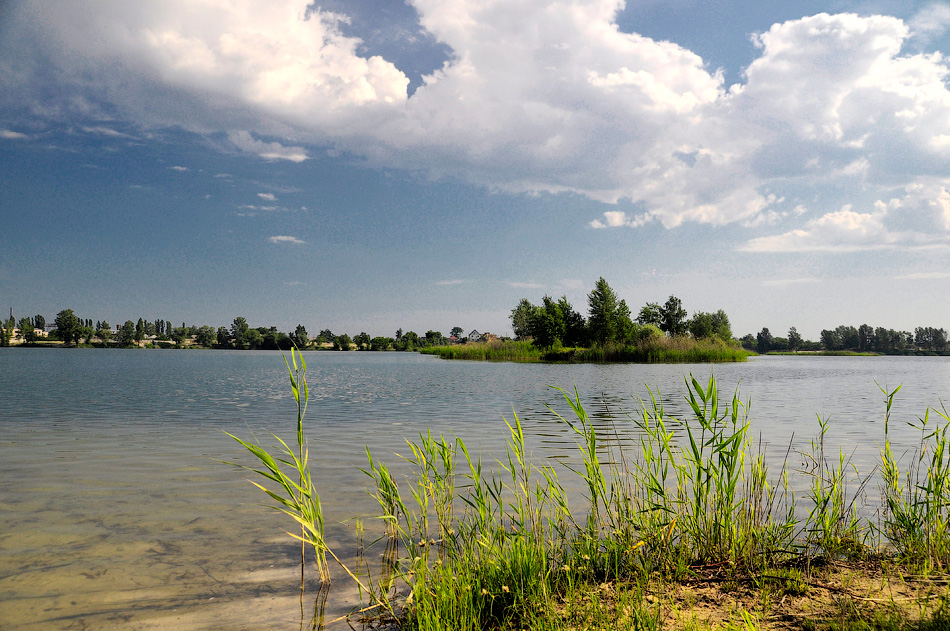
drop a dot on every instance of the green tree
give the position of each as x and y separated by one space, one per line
239 332
104 332
673 317
650 313
39 322
254 339
68 328
575 327
457 332
139 330
602 313
300 337
127 334
794 339
701 325
434 338
522 318
342 342
363 341
763 341
548 324
27 332
380 343
207 336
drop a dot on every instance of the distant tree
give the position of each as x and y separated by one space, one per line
748 342
104 332
865 337
522 318
139 330
434 338
254 339
398 335
409 341
548 325
380 343
363 341
223 336
602 313
763 341
830 340
575 327
239 332
650 313
700 325
149 328
127 334
68 327
27 331
794 339
457 332
342 342
673 317
39 322
300 337
207 336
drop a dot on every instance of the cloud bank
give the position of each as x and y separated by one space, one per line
835 134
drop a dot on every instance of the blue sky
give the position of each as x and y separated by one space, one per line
365 165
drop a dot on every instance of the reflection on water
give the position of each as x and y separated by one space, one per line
116 512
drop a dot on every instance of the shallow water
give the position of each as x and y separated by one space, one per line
115 511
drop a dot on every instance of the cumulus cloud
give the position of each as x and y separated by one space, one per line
268 196
286 239
267 150
542 96
12 135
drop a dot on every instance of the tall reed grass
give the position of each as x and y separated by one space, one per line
476 547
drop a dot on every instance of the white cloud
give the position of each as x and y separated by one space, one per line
924 276
268 196
286 239
267 150
931 22
12 135
521 285
180 169
538 96
105 131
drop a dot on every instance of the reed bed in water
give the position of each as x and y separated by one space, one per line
689 530
655 350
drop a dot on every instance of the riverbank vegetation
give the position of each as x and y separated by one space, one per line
687 529
553 331
850 340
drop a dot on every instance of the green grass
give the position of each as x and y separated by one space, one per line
650 351
503 547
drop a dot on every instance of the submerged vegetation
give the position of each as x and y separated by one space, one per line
688 529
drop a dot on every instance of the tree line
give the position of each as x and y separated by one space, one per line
862 339
555 323
72 329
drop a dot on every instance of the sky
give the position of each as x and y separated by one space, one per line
368 165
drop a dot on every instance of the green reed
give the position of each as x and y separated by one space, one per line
917 501
474 547
296 496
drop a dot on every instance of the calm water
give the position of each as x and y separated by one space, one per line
115 511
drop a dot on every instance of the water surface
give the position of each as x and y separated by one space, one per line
115 511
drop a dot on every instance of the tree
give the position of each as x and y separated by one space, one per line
300 336
434 338
139 330
673 317
380 343
39 322
104 332
575 327
342 342
602 312
794 339
763 341
127 334
457 332
650 313
363 341
207 336
68 328
700 326
521 319
239 332
27 332
547 326
254 339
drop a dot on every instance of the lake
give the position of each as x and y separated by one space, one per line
116 511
